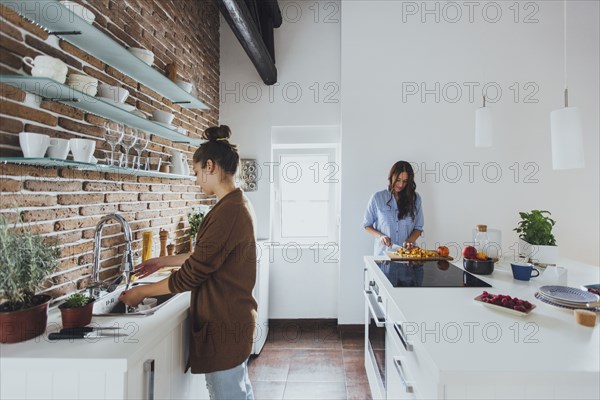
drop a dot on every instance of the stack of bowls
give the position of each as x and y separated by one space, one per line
83 83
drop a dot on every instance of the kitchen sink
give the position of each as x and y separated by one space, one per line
110 306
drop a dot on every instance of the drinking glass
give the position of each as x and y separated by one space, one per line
128 140
113 138
140 145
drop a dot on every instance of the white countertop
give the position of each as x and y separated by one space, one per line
477 343
143 332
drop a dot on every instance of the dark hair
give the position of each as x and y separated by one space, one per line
218 149
407 198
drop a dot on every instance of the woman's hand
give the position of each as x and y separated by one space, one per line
132 297
386 241
148 267
408 245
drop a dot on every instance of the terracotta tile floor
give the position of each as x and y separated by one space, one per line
310 359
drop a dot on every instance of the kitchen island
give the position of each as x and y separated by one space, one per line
150 359
440 343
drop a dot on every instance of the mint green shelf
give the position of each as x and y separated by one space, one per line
54 17
50 89
82 166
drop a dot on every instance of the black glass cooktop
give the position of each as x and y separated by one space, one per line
428 274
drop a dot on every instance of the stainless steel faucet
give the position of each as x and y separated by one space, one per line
127 267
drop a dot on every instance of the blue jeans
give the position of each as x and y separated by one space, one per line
231 384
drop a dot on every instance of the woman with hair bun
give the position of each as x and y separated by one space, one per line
220 273
395 215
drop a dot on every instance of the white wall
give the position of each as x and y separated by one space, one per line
380 52
307 51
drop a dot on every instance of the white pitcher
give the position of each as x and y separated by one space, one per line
177 163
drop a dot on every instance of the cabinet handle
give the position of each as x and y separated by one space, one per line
407 345
149 378
378 318
407 386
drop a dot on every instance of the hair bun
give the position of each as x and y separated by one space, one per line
215 133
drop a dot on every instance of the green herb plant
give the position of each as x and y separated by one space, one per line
77 300
195 219
26 260
536 228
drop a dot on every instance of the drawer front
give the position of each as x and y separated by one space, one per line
409 354
400 380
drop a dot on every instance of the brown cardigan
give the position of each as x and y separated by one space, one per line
220 274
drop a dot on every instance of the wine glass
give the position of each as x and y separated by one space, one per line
128 140
113 138
140 145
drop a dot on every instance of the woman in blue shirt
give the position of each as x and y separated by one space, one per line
395 215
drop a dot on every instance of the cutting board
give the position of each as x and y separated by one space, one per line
396 257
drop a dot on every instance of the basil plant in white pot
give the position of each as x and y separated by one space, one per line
537 243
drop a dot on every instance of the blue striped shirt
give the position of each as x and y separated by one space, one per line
384 218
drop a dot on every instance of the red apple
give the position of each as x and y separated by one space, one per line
469 252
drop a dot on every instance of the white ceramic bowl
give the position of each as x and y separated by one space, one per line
187 86
83 83
162 116
145 55
79 10
115 93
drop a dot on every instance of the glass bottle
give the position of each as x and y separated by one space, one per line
482 240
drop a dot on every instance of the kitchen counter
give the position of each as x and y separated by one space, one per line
142 332
469 345
110 368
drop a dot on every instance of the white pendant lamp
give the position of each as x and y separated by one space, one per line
484 126
565 126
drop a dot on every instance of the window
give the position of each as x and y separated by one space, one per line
304 190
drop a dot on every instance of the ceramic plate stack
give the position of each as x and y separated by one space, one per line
568 297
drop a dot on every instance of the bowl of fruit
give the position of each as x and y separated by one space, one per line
477 262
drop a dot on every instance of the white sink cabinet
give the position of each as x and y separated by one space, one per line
106 368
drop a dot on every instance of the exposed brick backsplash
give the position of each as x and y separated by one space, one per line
65 204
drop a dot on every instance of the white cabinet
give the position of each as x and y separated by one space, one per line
261 294
152 359
149 377
160 372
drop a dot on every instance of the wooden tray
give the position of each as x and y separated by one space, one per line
396 257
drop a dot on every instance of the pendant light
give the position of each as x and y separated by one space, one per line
565 125
484 126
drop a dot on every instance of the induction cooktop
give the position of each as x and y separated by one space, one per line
427 274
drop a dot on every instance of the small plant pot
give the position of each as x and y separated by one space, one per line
76 317
21 325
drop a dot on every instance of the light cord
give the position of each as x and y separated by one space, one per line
565 40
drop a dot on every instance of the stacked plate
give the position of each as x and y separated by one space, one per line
568 297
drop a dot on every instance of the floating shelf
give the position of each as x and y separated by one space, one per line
82 166
54 17
48 88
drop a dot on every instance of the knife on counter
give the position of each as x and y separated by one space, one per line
86 333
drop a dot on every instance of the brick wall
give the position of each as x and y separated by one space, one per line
66 204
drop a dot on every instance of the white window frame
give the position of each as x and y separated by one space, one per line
332 176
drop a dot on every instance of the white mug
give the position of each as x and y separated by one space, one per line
34 145
82 149
48 67
58 148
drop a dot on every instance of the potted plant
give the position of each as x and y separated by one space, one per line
26 260
76 311
195 218
536 239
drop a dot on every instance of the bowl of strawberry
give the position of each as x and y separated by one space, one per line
505 303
